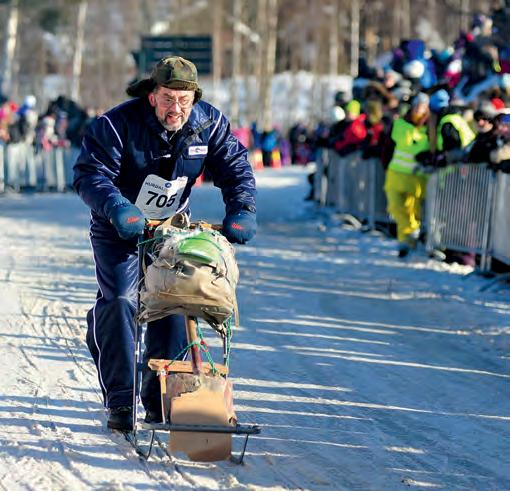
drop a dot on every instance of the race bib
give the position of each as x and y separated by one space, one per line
159 198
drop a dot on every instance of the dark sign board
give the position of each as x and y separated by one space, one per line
198 49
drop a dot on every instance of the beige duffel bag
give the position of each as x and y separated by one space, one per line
193 272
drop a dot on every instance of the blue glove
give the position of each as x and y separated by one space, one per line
127 218
239 227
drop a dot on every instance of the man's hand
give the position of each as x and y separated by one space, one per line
127 218
240 227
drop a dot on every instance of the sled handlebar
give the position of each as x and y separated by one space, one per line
152 223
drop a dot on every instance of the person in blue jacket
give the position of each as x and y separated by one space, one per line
140 160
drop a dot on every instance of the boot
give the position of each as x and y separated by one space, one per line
121 418
152 416
403 249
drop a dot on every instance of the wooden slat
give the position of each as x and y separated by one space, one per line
164 400
191 334
184 366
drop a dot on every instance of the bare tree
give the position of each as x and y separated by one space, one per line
217 47
268 62
78 49
9 47
332 11
405 13
355 15
464 14
236 62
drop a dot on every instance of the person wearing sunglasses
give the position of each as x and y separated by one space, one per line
484 118
140 160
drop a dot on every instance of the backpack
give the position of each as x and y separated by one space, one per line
193 272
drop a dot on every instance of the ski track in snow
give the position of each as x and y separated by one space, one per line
365 372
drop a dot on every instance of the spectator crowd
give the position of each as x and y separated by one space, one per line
28 136
427 110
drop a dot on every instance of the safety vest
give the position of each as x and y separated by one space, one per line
460 124
409 141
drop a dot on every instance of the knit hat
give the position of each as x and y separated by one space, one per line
504 82
439 100
172 72
420 98
485 111
353 108
30 101
414 69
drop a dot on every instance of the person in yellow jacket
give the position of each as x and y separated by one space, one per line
453 137
406 149
453 133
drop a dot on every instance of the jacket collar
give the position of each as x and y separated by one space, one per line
198 119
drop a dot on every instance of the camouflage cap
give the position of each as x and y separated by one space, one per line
172 72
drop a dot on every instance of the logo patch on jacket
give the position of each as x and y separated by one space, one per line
197 150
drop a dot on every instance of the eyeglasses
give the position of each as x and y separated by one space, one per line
183 102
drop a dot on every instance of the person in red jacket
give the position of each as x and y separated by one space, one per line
354 130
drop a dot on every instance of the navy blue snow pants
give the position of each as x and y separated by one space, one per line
111 324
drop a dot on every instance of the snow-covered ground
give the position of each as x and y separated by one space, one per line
365 372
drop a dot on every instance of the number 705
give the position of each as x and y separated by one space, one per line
162 200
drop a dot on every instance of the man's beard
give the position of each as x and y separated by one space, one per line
173 126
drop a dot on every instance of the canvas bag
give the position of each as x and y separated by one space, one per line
193 272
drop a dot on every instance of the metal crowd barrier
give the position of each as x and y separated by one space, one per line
334 176
466 208
459 209
2 168
22 167
320 178
500 225
355 188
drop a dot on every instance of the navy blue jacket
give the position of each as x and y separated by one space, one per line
127 143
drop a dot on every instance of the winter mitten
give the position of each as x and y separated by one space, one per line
127 219
240 227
